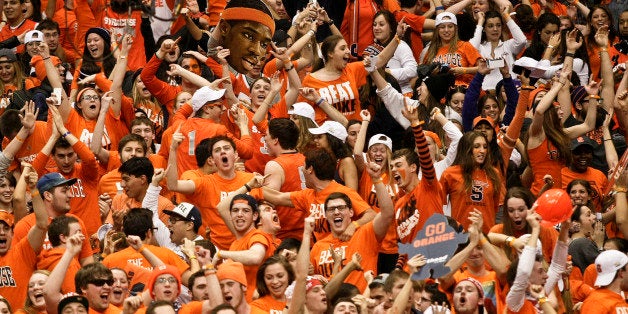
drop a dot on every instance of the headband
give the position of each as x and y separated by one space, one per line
241 202
249 14
434 137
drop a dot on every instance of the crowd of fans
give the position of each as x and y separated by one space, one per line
260 156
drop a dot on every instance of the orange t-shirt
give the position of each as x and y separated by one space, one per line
412 210
48 259
129 255
114 130
466 55
8 31
267 304
122 202
119 24
254 236
368 193
84 201
110 181
291 221
363 241
17 266
484 196
68 27
32 144
25 224
313 202
214 188
544 159
559 9
342 93
604 301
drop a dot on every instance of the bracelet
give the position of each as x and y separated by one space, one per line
141 249
397 39
312 32
378 180
570 54
509 241
608 139
464 70
19 139
291 67
620 189
542 300
591 96
440 8
46 58
356 224
603 50
330 22
34 194
416 123
122 57
483 241
192 257
208 267
66 134
320 101
550 47
210 272
248 188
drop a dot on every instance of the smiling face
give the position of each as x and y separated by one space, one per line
378 153
446 32
402 172
7 70
95 45
13 10
338 215
36 290
517 212
98 295
166 288
352 134
579 194
466 297
233 292
133 148
586 220
32 48
276 280
479 6
599 18
6 192
247 42
381 29
120 288
485 129
582 158
491 109
480 149
178 228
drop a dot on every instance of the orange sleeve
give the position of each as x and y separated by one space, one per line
103 82
89 170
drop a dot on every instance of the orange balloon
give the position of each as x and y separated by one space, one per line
554 206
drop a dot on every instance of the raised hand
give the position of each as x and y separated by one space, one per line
222 54
409 112
574 40
30 174
601 36
554 40
483 67
365 115
593 88
74 243
159 175
127 42
416 262
401 28
310 94
177 138
257 181
28 115
135 242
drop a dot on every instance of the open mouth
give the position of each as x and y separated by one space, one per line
228 298
397 179
92 107
104 297
338 222
117 293
224 160
462 301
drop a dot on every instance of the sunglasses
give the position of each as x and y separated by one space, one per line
101 282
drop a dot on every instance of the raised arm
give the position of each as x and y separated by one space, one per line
593 89
425 160
223 206
52 288
118 73
536 128
27 117
37 234
621 203
606 67
55 81
382 221
301 271
358 148
177 70
312 95
172 175
99 129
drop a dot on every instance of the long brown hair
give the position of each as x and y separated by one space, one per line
465 150
437 43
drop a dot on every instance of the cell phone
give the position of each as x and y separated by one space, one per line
372 64
494 63
57 93
598 216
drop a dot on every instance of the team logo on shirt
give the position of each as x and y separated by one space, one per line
407 218
6 277
340 96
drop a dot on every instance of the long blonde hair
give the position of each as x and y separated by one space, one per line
436 43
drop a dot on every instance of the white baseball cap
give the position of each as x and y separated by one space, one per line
380 139
204 95
33 36
607 264
446 17
332 128
303 109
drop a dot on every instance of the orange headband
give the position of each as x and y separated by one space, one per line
241 202
249 14
434 137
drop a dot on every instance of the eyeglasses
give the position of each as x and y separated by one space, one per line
101 282
90 97
163 280
173 220
340 208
